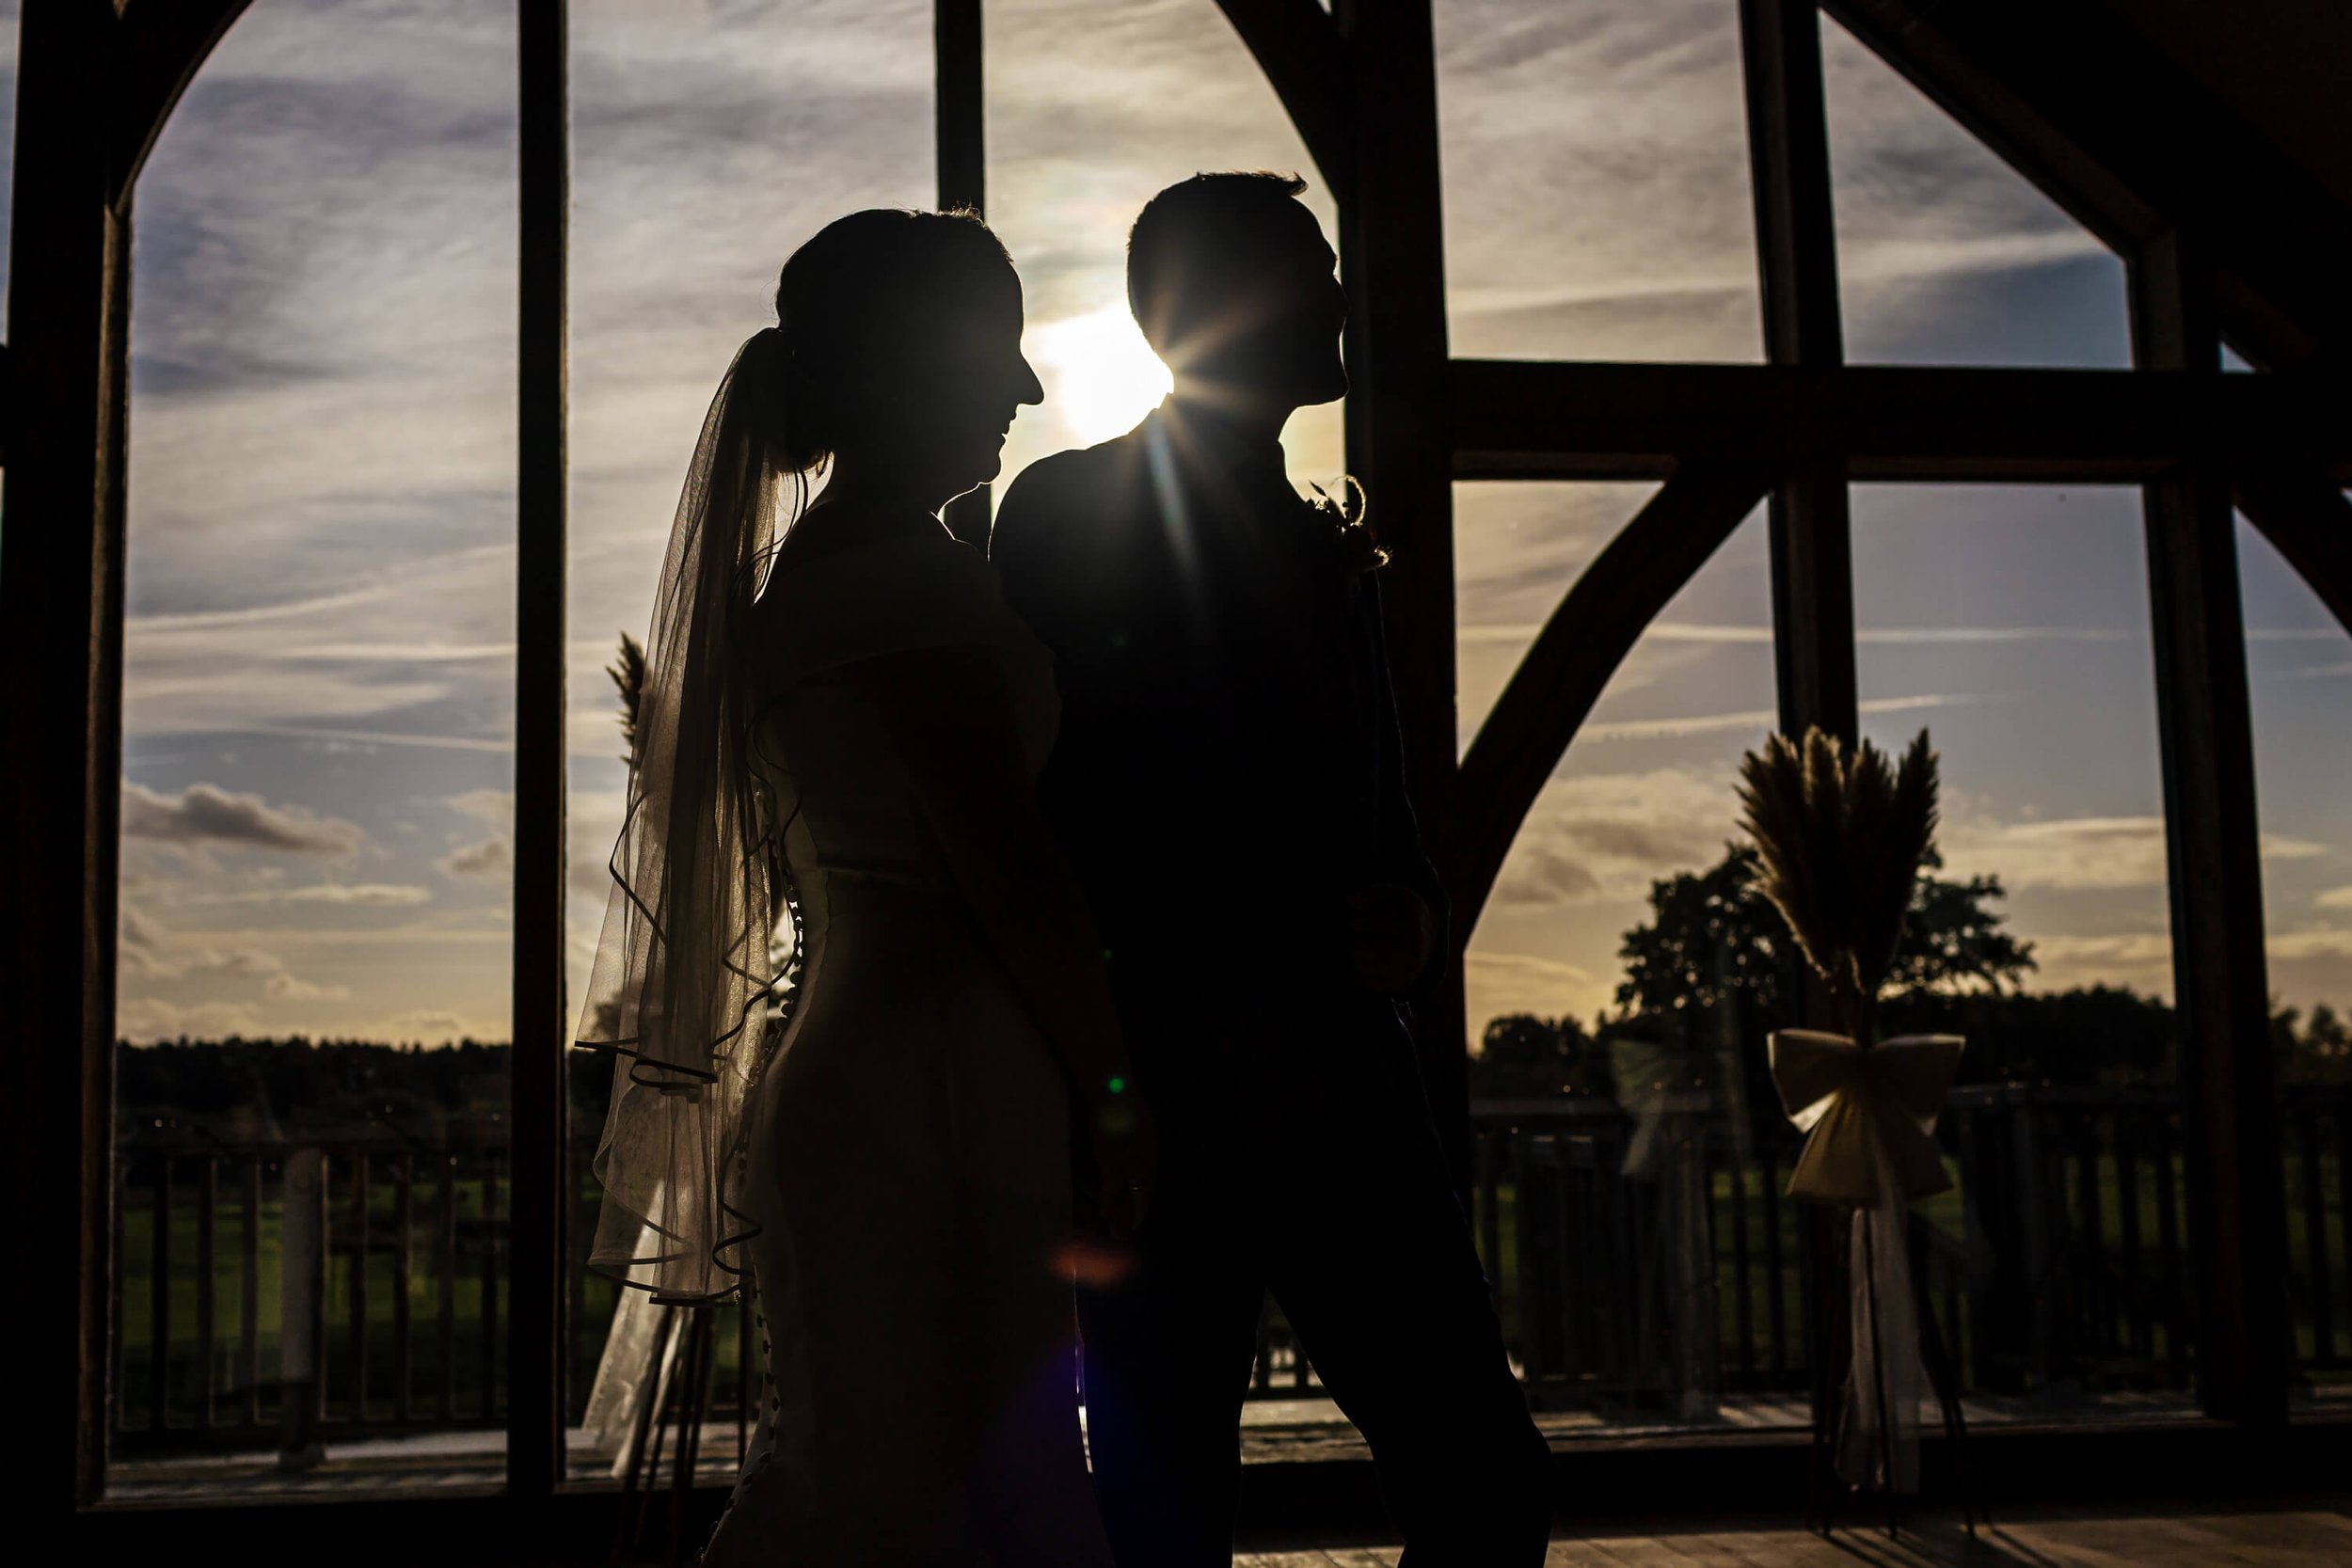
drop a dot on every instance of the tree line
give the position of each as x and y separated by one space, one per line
1714 970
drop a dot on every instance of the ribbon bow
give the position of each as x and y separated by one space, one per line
1867 1113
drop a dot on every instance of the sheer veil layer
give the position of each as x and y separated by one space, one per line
688 970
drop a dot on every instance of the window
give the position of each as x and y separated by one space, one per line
318 715
2011 623
1944 254
1646 1268
1595 181
319 722
2299 664
1517 548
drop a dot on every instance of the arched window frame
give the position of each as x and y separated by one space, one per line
98 79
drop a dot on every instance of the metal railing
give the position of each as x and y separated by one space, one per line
1637 1268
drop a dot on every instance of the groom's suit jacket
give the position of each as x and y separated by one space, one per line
1228 768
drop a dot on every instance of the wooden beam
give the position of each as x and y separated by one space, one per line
1514 419
2219 977
537 1343
959 135
1812 550
2309 522
1392 262
1298 45
61 632
162 43
1554 687
1796 241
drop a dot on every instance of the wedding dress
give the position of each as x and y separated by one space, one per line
907 1154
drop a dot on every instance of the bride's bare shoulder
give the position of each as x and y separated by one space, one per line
860 598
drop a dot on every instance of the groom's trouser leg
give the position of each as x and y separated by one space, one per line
1167 1355
1371 1260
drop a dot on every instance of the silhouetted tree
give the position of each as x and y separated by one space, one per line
1524 1057
1712 941
2317 1052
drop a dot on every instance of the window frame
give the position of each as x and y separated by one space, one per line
1358 81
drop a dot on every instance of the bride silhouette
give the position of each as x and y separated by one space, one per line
840 729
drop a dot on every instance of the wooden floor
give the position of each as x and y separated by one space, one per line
2320 1536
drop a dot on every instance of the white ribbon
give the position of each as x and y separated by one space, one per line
1870 1116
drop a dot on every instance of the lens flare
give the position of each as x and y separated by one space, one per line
1100 375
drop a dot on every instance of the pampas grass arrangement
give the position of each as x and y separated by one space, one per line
629 679
1840 838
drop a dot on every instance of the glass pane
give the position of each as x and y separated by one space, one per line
2012 624
1946 255
1614 1096
1518 547
314 981
1091 111
2299 675
708 143
1596 170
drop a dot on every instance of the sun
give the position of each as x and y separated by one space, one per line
1100 375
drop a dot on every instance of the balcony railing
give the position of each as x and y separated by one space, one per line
1641 1268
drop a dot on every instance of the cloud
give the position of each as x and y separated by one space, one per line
148 951
427 1025
377 895
2141 959
144 1019
1760 720
2103 951
1495 984
491 859
494 806
204 814
1609 835
369 895
2335 898
2080 853
2309 943
285 988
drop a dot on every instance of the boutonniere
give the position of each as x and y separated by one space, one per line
1343 508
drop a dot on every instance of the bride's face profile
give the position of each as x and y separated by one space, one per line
901 337
950 386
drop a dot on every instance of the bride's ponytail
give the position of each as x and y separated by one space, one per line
785 403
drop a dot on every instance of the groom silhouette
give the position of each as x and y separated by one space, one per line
1229 784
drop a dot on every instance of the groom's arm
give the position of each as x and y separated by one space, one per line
1403 859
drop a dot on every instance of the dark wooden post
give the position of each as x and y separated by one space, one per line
2219 977
959 125
61 616
1400 441
537 1258
1797 255
1796 243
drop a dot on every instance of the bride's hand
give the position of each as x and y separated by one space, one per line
1126 1145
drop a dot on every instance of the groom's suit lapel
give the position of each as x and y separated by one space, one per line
1258 583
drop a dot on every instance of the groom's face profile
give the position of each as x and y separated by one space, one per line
1250 305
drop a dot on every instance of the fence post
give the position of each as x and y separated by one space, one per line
1690 1244
300 1307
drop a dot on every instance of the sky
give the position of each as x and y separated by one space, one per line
322 576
